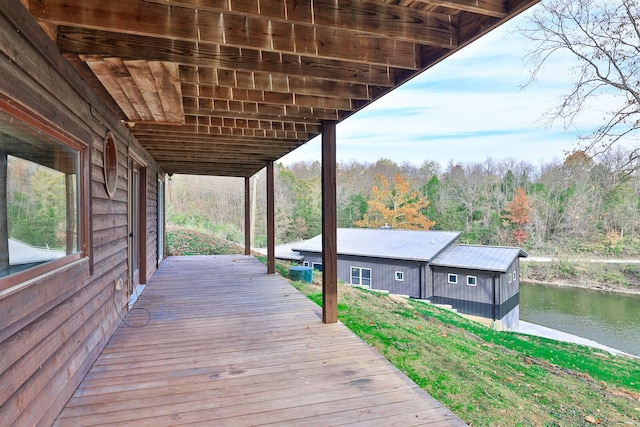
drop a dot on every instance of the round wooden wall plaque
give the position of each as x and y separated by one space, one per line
110 165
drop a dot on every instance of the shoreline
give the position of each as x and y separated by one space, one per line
529 328
592 287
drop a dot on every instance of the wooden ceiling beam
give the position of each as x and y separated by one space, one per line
326 27
495 8
204 153
215 115
226 168
359 16
190 75
220 93
230 122
88 43
141 18
237 131
257 111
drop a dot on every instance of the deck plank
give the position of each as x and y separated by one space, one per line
220 342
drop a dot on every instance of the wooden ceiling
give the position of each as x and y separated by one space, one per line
221 87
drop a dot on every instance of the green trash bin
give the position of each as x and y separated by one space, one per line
301 274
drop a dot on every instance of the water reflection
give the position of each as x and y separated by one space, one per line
608 318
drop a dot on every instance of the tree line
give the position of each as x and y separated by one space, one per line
576 205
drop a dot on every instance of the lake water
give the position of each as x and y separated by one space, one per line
608 318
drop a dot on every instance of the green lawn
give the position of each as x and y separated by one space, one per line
491 378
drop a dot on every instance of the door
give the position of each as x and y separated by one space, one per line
137 226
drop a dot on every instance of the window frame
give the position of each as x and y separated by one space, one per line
475 281
84 169
360 270
315 265
515 275
305 264
453 276
399 276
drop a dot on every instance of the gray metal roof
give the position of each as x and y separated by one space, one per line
475 257
411 245
284 252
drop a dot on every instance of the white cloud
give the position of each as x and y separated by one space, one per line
469 107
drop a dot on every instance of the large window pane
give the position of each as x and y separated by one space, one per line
39 198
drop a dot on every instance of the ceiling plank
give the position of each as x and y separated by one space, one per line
166 76
93 42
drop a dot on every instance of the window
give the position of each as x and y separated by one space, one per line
452 278
305 263
400 276
361 276
472 281
510 277
316 266
41 200
515 275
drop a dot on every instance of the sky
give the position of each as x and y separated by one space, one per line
473 105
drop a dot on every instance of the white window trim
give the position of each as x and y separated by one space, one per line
351 268
515 275
453 276
510 277
314 264
399 276
305 263
475 280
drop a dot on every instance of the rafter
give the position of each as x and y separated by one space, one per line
92 42
141 18
274 25
229 78
495 8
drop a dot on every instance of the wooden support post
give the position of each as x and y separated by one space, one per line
329 225
4 232
271 221
247 216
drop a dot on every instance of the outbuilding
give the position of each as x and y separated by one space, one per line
481 282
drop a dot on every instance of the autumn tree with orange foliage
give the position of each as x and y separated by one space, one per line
396 206
517 214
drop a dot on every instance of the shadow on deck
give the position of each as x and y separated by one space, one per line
227 344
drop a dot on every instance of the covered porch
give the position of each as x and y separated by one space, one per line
214 340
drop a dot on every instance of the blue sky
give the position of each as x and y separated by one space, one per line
469 107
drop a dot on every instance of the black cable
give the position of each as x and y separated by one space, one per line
115 305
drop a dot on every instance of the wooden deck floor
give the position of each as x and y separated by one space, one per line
227 344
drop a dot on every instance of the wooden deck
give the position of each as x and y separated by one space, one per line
215 341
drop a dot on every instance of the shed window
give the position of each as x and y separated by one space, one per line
515 275
361 276
510 277
452 278
316 266
472 281
40 199
400 276
305 263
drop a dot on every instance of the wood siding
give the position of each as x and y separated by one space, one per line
54 327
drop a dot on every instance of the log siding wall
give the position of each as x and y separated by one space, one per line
53 328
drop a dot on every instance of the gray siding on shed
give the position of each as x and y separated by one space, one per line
383 272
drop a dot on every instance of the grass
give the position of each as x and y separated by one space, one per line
186 241
491 378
